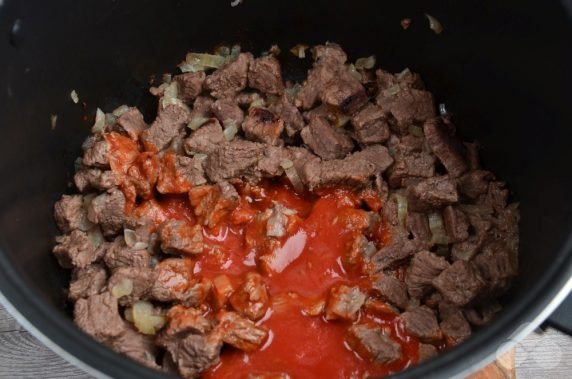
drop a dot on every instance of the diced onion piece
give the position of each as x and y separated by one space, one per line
299 50
95 237
294 178
223 51
200 156
235 3
234 52
117 112
342 119
205 60
391 91
110 119
406 72
230 132
144 318
292 92
402 210
438 233
123 288
258 103
286 163
274 50
443 110
365 63
53 121
434 24
130 237
353 72
128 314
415 130
167 78
74 96
99 124
197 122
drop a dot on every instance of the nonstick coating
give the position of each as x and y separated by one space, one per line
502 67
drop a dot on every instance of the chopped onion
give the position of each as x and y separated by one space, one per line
234 3
200 156
353 72
286 163
53 121
434 24
167 78
406 23
294 178
402 210
342 119
195 62
415 130
292 92
110 119
123 288
117 112
230 132
299 50
74 96
443 110
144 318
365 63
99 124
274 51
403 74
391 91
95 236
130 237
258 103
234 52
438 233
196 122
223 51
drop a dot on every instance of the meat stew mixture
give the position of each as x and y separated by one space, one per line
258 228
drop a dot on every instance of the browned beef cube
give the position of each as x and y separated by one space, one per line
405 79
190 85
178 174
345 93
329 52
179 237
426 352
240 332
77 249
245 99
270 164
466 250
251 298
482 313
393 290
446 147
399 249
265 75
98 316
455 327
206 139
229 79
228 112
108 210
325 141
407 105
118 254
175 282
475 183
425 266
422 323
232 160
496 265
418 225
459 283
376 154
193 353
456 224
132 123
202 108
371 343
166 126
293 120
370 125
350 173
137 346
261 125
94 178
70 213
182 320
87 281
344 303
432 193
139 279
95 152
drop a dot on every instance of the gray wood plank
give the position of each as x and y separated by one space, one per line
544 355
7 323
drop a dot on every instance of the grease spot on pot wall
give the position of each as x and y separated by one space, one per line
15 33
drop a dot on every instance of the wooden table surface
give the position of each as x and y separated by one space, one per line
544 354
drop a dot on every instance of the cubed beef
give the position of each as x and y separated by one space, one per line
240 332
372 344
426 352
376 154
118 254
228 112
229 79
348 172
137 346
233 160
87 281
496 196
473 160
329 52
482 314
98 316
359 250
475 183
190 85
405 79
166 126
108 210
418 225
293 120
193 353
459 283
432 193
370 125
94 178
425 266
202 108
95 152
399 249
178 174
270 164
179 237
138 279
70 214
206 139
456 224
175 282
261 125
278 221
344 303
344 93
446 147
265 75
325 141
222 289
411 161
453 324
183 320
245 99
406 105
392 289
497 266
132 123
251 298
78 249
209 204
466 250
422 323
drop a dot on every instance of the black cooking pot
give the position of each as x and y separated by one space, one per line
502 67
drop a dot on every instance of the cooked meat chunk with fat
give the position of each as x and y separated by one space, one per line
265 75
497 266
396 252
422 323
175 282
78 249
293 119
132 123
475 183
108 210
372 344
178 174
190 85
182 320
251 298
459 283
70 214
432 193
446 147
94 178
370 125
118 254
418 225
206 139
406 105
95 152
393 290
235 159
240 332
166 126
229 79
344 93
261 125
456 224
426 352
193 353
453 324
425 266
179 237
87 281
324 140
98 315
344 303
130 284
228 112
